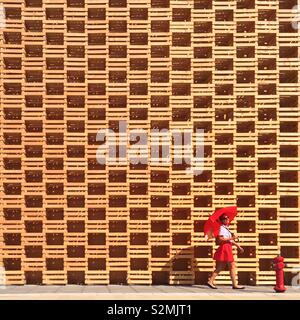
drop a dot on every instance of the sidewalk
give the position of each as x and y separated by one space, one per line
134 292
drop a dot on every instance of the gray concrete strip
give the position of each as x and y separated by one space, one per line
43 289
95 289
146 289
136 292
148 296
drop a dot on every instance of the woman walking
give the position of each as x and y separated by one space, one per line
223 254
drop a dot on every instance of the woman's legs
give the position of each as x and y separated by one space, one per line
232 270
232 273
219 267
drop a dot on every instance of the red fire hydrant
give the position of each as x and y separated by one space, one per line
278 266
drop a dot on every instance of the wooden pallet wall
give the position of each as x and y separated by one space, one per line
72 67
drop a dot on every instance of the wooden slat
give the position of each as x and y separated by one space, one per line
70 68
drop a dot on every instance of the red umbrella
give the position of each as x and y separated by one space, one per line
212 225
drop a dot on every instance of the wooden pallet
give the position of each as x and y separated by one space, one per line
71 67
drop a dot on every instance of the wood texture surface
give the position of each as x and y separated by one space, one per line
70 68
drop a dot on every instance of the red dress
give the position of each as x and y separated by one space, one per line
224 252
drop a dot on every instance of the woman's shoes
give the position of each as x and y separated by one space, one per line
211 286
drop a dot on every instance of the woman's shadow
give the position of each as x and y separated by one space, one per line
193 265
184 268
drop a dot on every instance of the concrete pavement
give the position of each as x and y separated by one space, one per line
142 292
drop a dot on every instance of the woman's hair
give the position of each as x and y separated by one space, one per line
222 216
